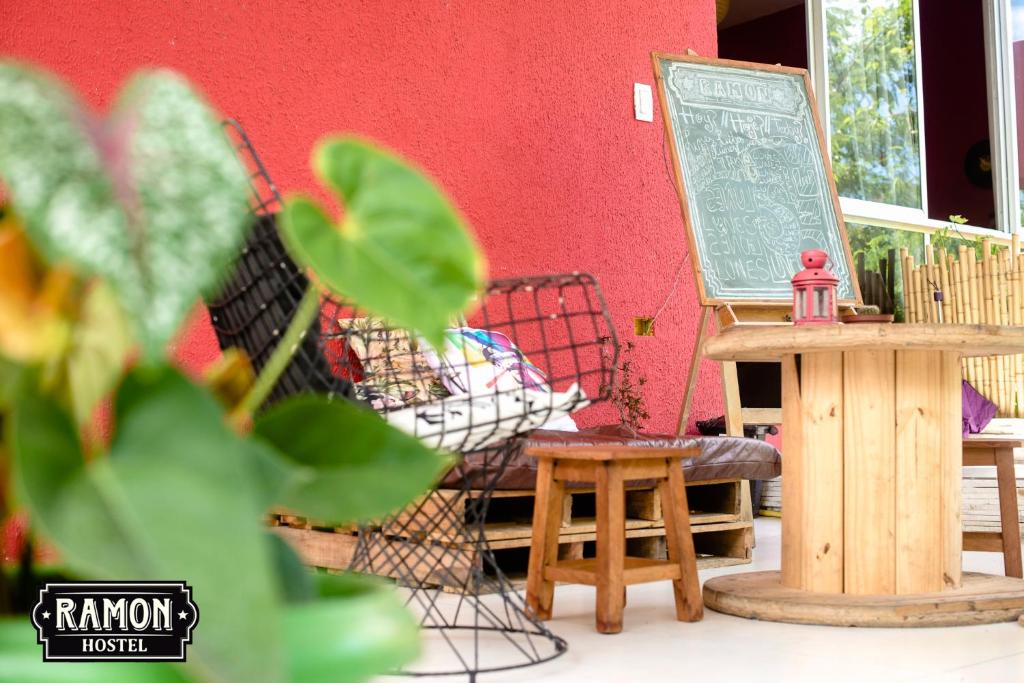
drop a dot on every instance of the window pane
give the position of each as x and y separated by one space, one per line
1017 29
872 248
873 100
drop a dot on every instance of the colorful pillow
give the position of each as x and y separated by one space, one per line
483 363
395 372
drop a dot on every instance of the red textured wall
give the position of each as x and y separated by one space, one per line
523 112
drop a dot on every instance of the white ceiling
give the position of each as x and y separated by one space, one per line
745 10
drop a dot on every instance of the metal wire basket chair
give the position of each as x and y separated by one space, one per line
534 350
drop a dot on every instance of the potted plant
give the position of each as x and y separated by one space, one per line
118 225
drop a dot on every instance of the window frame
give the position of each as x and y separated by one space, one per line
1002 127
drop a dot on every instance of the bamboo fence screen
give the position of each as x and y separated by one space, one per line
987 290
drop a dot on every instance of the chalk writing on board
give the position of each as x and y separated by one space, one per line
754 178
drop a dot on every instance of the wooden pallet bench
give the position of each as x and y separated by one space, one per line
722 527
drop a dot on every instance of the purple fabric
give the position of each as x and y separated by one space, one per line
978 410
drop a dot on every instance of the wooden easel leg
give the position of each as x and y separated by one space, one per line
731 399
694 371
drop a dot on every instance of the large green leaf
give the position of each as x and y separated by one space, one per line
176 500
56 173
364 468
21 661
100 342
402 251
154 199
357 629
192 194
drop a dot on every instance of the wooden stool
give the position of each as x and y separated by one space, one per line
611 571
993 450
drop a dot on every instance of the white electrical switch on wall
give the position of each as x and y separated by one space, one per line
643 102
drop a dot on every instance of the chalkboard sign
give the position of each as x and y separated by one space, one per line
753 178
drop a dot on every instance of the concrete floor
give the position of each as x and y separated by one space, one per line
653 647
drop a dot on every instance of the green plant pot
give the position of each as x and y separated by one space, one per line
355 629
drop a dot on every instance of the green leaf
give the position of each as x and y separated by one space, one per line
152 400
192 193
21 661
364 467
175 500
100 343
402 251
153 199
56 174
295 580
358 630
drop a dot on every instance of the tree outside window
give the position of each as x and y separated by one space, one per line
873 100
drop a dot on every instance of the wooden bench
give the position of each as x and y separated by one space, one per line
985 450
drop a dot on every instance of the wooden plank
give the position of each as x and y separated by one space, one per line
983 541
635 570
771 343
793 475
328 550
820 462
869 472
643 505
919 542
950 468
320 548
654 530
761 416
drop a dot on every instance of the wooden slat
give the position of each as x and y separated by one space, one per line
950 469
771 343
793 474
818 458
983 541
571 535
869 433
635 570
762 416
919 543
644 505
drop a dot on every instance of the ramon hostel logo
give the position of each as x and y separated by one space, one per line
114 621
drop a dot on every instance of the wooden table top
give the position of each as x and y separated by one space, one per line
771 342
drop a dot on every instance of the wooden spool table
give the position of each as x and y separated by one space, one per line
872 458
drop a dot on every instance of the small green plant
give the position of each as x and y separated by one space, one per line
628 395
950 237
122 223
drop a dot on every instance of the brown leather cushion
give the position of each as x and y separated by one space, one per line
721 457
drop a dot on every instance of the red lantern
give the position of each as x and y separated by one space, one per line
814 291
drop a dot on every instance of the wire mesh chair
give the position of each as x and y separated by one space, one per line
534 350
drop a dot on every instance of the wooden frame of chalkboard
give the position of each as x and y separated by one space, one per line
778 293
